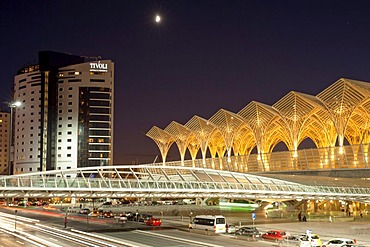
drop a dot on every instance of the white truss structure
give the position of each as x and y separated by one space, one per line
166 182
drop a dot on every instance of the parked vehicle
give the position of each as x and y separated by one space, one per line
209 223
248 231
153 222
340 242
230 228
276 235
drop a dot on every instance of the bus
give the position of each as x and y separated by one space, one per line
209 223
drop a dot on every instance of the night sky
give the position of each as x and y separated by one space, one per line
203 56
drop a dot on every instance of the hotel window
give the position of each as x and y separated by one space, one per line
69 118
59 155
69 147
69 140
59 133
69 132
69 155
69 125
69 110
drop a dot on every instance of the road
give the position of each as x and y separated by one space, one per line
173 231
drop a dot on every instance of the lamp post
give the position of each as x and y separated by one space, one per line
12 105
15 219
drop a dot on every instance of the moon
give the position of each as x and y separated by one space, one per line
157 18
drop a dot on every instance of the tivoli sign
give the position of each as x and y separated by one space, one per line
99 67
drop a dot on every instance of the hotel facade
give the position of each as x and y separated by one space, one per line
66 117
4 142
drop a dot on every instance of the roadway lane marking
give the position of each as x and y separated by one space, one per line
125 242
179 239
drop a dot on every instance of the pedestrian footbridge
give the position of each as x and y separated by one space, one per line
171 182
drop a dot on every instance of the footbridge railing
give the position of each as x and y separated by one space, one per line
166 182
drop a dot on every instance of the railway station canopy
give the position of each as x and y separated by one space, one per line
337 121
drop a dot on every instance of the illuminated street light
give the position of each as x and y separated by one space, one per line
157 18
12 105
15 104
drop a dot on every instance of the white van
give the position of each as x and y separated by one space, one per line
209 223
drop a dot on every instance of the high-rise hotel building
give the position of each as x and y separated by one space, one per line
66 117
4 142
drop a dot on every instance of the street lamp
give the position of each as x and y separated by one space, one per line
15 219
12 105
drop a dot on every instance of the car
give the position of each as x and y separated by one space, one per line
311 240
108 214
153 222
276 235
314 240
340 242
84 211
144 217
230 228
298 241
94 213
248 231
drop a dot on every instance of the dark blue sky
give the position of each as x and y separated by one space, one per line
205 55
